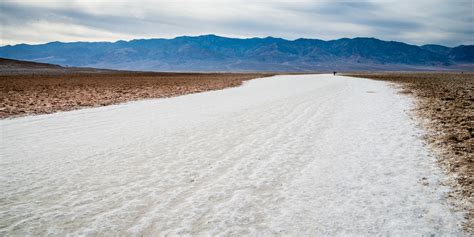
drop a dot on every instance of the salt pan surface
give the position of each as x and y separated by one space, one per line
311 154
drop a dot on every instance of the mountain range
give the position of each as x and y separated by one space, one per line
215 53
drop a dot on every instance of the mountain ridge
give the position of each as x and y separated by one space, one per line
216 53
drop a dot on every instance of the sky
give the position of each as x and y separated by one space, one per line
445 22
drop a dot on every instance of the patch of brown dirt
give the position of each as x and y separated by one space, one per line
41 92
445 101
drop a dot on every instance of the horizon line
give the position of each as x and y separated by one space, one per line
219 36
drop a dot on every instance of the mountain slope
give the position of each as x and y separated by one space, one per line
215 53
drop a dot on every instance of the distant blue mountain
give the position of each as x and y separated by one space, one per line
215 53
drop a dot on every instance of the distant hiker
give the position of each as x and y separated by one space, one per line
334 73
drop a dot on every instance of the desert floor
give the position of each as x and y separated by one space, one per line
300 154
48 91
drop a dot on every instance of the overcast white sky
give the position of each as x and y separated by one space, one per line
446 22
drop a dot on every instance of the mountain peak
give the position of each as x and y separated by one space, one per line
216 53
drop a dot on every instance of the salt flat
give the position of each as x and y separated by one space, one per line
287 155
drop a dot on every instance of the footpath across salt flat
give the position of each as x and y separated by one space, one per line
287 155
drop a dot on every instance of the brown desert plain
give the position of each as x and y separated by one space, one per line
33 88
